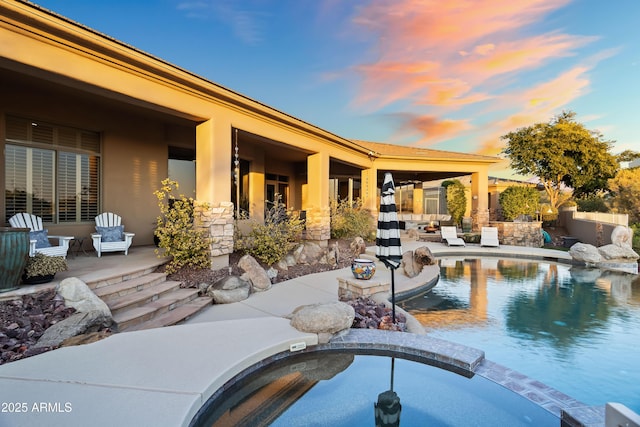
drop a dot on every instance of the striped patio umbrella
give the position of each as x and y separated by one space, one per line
388 247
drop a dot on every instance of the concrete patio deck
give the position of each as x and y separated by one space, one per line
163 376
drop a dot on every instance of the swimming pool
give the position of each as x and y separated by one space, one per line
351 388
573 328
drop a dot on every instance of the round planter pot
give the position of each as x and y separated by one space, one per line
14 251
363 269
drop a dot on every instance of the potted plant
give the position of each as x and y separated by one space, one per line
42 268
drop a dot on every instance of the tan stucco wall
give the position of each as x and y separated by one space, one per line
134 152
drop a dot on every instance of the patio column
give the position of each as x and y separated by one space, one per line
369 190
213 209
418 200
480 199
317 198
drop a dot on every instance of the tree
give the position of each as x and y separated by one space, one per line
626 193
561 153
456 199
518 200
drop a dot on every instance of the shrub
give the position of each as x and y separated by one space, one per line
456 199
518 200
350 220
592 204
271 241
44 265
176 231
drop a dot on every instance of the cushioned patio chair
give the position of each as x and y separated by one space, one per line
489 237
39 239
450 236
110 235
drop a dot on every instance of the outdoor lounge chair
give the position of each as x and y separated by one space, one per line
39 237
450 236
110 235
489 237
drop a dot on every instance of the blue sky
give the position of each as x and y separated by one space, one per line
450 75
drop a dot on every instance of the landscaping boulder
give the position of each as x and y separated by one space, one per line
332 255
585 252
358 247
78 295
408 265
422 256
254 273
229 289
76 324
308 253
622 236
616 252
323 318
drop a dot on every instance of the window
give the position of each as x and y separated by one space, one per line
51 171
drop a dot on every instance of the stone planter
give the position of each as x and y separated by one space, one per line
14 251
363 269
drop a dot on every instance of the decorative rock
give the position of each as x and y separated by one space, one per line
358 247
585 253
323 318
76 324
422 256
78 295
229 289
310 254
282 265
618 252
333 255
408 265
622 236
412 233
254 273
272 273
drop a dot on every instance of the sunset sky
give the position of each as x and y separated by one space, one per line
450 75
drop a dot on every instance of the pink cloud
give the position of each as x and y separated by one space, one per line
436 57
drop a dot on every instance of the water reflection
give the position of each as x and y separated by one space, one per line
561 312
574 328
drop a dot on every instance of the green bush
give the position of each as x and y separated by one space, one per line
271 241
176 231
350 220
636 237
456 199
518 200
592 204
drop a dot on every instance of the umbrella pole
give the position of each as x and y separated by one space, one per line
393 296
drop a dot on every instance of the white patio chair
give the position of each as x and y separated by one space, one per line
39 236
489 237
110 235
449 235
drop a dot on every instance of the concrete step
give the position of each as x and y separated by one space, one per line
132 316
119 277
117 290
146 295
175 316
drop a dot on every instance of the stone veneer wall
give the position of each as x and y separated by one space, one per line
217 219
479 219
318 224
520 233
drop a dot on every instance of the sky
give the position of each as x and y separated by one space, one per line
450 75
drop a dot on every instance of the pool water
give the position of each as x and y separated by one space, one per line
575 329
338 388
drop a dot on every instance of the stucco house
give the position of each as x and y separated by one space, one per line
90 124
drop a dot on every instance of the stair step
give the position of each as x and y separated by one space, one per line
120 277
146 295
167 302
116 290
177 315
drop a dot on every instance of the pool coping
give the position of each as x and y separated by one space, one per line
454 357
